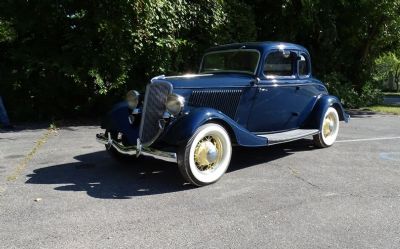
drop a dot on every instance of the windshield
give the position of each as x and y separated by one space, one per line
238 60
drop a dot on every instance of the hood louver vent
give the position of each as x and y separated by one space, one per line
225 101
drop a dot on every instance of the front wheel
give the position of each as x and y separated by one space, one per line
330 129
206 155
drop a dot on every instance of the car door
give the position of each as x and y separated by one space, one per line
282 97
307 91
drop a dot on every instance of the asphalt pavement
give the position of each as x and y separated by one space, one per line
60 189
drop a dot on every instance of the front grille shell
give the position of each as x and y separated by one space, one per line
153 110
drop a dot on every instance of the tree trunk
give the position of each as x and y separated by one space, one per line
397 78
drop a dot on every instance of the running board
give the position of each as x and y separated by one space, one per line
287 136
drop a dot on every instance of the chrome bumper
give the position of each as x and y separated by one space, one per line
136 150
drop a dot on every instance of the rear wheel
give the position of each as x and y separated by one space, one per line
330 129
206 155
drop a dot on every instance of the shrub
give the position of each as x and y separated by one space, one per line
371 94
62 62
338 85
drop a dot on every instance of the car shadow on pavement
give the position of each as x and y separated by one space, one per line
101 177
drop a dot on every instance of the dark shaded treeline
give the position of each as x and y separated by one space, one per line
74 58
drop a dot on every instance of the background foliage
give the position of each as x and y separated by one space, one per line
387 67
74 58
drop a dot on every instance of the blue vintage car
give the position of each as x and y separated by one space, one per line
246 94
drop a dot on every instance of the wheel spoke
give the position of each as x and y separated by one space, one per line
203 160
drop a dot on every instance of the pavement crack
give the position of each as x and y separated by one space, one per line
296 174
372 196
21 166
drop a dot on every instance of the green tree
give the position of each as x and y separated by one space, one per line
73 58
343 36
387 67
58 58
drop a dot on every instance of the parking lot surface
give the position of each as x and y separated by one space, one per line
60 189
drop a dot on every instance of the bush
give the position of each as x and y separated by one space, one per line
338 85
59 60
371 94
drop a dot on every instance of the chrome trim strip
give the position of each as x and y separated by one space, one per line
159 77
132 150
161 155
144 109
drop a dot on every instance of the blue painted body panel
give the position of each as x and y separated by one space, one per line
117 120
315 119
210 81
266 105
283 105
184 127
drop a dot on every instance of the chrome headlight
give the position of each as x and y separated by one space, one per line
175 103
132 97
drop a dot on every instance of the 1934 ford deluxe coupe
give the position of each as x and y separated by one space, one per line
246 94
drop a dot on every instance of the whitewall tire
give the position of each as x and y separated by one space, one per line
206 155
329 130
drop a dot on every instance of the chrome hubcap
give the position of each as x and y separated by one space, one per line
329 125
208 153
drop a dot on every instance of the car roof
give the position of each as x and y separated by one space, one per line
261 46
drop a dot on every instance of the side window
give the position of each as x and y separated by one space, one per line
279 64
304 69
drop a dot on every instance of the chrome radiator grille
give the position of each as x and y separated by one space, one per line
153 110
225 101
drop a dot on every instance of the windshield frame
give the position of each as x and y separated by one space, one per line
229 51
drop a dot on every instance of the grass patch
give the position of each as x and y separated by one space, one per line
39 143
385 109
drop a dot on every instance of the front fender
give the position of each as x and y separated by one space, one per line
183 128
117 120
316 118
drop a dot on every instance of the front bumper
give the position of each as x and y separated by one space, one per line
136 150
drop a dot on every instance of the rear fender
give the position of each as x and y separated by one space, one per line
316 117
180 130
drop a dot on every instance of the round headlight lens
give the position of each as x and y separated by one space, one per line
132 97
175 104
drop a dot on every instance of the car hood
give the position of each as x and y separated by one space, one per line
209 80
